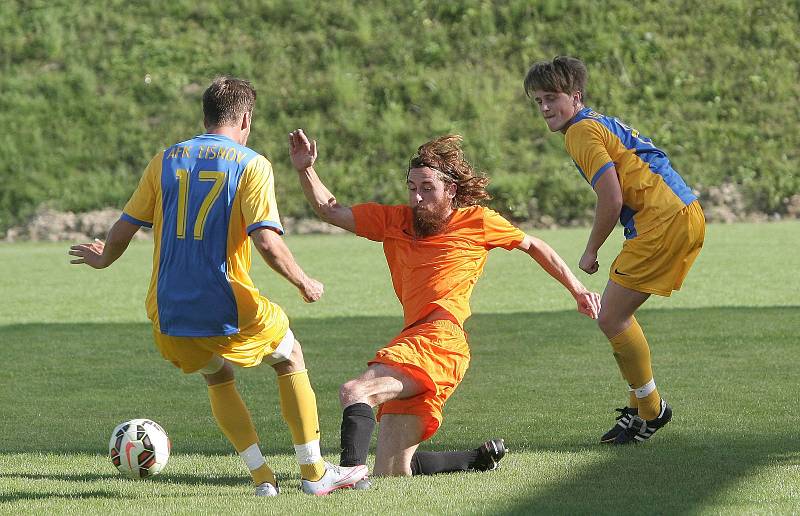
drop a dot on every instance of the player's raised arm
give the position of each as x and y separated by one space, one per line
304 153
554 265
99 254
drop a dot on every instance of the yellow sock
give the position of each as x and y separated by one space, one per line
263 474
299 410
234 420
232 415
633 401
633 357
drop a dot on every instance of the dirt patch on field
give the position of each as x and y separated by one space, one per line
724 203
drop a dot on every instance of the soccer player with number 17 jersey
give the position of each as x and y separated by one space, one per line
206 199
664 228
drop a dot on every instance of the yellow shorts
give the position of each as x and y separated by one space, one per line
245 349
436 354
657 262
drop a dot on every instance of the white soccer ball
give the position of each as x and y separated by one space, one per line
139 448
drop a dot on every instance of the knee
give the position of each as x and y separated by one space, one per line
606 322
349 392
224 374
401 471
610 324
393 469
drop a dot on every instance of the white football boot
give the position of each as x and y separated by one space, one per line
335 477
267 489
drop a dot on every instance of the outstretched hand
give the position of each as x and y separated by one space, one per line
589 304
90 253
302 150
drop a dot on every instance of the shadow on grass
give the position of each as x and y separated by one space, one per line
666 476
543 381
166 478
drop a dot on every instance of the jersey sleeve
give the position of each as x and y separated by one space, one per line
586 144
372 220
140 207
257 196
499 232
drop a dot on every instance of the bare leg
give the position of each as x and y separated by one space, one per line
223 375
617 307
293 364
398 438
378 384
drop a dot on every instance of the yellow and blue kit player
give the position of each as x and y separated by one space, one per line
664 226
206 199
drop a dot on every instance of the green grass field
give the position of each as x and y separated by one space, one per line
78 359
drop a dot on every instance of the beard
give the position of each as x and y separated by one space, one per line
431 221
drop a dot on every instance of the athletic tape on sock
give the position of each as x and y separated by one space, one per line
252 457
214 365
308 453
646 389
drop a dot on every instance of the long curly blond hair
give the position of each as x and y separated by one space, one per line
444 155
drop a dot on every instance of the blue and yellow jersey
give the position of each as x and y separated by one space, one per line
203 197
652 192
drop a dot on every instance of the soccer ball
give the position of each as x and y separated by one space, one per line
139 448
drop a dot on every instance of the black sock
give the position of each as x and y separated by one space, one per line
358 422
429 463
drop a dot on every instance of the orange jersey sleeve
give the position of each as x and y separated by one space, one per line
498 232
373 219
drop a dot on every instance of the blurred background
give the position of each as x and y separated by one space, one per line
91 90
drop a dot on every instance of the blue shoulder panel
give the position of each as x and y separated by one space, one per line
199 181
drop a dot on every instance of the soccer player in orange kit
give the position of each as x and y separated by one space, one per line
436 247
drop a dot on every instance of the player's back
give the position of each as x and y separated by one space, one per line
199 181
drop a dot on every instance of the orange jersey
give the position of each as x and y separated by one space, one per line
440 270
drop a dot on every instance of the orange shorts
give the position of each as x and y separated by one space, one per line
657 262
245 349
435 353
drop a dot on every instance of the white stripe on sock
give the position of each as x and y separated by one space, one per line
252 457
308 453
646 389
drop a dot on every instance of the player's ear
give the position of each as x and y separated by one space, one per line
452 189
246 120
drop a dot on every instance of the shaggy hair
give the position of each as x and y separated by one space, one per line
563 75
444 155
